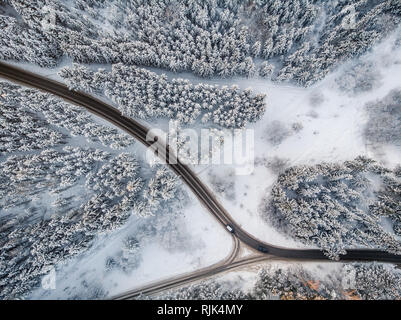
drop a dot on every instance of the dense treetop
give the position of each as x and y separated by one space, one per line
338 206
304 39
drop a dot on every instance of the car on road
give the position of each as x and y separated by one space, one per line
230 228
263 249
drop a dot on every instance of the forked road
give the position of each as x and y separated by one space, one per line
203 193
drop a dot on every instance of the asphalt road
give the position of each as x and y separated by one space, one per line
203 193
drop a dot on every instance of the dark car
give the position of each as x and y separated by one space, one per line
263 249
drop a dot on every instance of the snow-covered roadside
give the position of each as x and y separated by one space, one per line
206 243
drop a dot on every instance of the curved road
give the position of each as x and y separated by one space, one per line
203 193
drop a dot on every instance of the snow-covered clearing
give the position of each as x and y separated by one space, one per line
332 127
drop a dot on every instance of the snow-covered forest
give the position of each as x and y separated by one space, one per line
357 281
292 40
338 206
58 196
316 81
143 94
